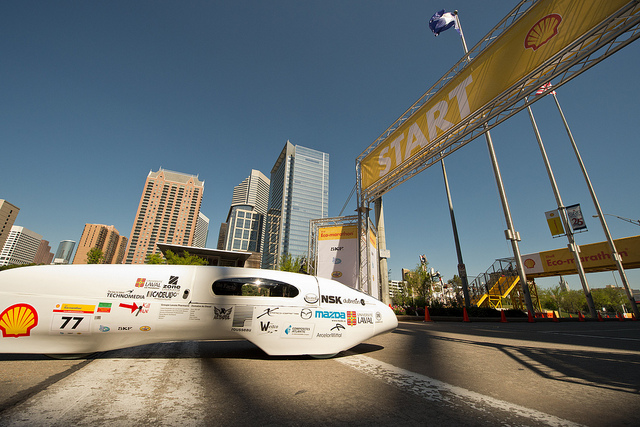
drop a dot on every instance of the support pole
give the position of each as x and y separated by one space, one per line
510 233
462 271
573 247
382 250
614 253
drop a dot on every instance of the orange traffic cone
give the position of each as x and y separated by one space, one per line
580 316
600 319
620 317
465 316
555 318
427 318
531 319
503 317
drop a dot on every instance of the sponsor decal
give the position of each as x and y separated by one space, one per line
140 282
145 328
542 31
353 301
306 314
336 274
268 312
125 328
74 308
298 331
70 324
171 287
351 318
222 313
137 309
103 328
337 248
365 318
124 295
336 260
330 299
378 317
321 314
268 327
338 327
148 284
18 320
162 294
173 280
242 319
104 307
311 298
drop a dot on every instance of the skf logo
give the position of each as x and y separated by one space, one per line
543 31
18 320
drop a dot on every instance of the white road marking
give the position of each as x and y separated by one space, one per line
438 391
590 336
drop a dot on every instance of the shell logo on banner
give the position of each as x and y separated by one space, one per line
18 320
543 31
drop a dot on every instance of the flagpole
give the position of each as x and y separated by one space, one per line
573 247
510 233
614 253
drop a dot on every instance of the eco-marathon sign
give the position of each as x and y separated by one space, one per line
544 30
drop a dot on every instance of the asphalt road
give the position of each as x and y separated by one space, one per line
438 373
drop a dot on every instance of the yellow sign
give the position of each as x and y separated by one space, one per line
338 232
555 223
543 31
594 257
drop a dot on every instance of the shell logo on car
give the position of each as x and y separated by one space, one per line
18 320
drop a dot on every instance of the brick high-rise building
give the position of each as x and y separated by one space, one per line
167 213
8 213
106 238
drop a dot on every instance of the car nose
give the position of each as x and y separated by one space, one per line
386 320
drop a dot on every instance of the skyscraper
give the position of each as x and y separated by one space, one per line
167 213
245 221
106 238
299 193
21 246
202 231
64 252
8 213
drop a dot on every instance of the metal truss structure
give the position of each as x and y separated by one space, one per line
605 39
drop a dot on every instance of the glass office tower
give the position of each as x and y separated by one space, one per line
299 192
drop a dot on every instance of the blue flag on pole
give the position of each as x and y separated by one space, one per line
441 21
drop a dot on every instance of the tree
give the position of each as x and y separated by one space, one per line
155 259
171 258
95 256
419 282
296 265
611 299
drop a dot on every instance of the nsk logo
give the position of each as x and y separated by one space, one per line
330 299
331 315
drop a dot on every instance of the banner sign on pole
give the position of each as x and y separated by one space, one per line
555 223
575 218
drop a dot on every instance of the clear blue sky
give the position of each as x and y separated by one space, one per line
95 94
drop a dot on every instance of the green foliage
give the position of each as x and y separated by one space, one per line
296 265
419 282
95 256
171 258
611 299
155 259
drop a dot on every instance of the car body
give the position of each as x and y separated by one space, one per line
80 309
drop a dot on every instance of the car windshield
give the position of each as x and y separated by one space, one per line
252 286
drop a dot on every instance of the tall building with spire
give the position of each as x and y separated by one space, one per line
299 192
167 213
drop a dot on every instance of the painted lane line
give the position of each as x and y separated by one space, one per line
590 336
441 392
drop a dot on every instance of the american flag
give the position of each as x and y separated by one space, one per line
545 87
